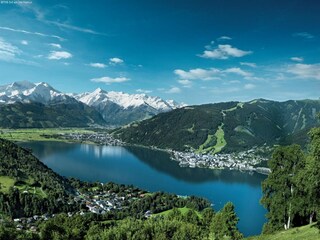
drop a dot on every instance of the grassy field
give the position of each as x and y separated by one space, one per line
204 147
208 146
308 232
183 210
45 134
221 142
33 190
25 186
6 183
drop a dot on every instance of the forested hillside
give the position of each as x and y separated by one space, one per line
237 125
38 115
27 186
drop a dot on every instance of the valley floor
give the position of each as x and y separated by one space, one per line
39 134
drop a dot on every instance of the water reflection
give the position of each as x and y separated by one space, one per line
102 151
160 161
44 149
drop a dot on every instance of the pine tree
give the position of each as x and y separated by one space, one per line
225 223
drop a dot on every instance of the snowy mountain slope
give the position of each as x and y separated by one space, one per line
116 108
122 108
31 92
125 100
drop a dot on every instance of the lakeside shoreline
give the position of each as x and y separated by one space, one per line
245 161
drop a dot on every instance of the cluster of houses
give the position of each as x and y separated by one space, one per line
243 161
100 202
30 222
97 201
99 138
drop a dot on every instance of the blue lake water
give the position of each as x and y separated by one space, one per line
154 171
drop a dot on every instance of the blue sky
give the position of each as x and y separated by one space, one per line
191 51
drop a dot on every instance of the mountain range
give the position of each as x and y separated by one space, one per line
226 127
26 104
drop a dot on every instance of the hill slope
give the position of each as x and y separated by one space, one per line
308 232
38 115
27 186
226 126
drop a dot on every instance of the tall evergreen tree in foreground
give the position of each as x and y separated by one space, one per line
225 222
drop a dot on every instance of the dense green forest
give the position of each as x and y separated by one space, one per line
243 125
27 186
37 115
175 225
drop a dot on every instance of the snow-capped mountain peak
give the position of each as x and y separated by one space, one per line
99 91
29 92
115 107
100 97
173 104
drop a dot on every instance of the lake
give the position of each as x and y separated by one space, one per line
154 171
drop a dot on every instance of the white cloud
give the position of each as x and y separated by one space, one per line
207 74
238 71
74 28
224 52
98 65
24 42
249 64
8 52
234 81
303 35
249 86
297 59
57 55
11 53
55 45
32 33
224 38
115 60
198 73
143 91
305 70
109 80
225 90
40 15
33 8
174 90
185 82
